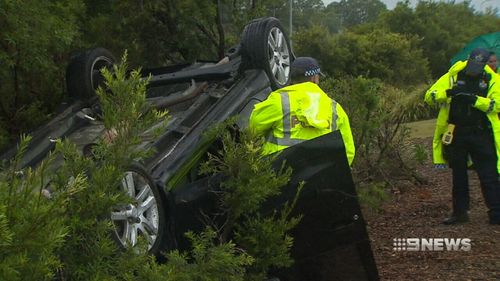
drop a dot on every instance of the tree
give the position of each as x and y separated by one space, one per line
35 38
444 28
391 57
354 12
306 12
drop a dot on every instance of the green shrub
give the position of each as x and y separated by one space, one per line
207 261
420 153
377 113
32 228
372 195
249 181
391 57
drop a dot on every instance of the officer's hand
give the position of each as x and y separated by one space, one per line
466 98
452 92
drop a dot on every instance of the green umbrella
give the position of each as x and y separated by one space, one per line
490 41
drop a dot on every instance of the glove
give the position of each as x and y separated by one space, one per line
452 92
466 98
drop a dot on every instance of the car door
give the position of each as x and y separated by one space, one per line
331 241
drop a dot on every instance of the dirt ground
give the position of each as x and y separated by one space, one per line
417 212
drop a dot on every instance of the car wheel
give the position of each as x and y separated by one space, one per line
266 46
83 75
144 218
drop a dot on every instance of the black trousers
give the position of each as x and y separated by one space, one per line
480 145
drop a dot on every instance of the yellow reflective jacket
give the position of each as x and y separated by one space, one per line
297 113
489 105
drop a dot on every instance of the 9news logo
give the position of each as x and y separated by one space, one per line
431 244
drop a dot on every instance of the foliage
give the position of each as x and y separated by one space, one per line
444 28
134 25
420 153
98 256
372 195
353 12
35 36
377 114
4 138
123 101
190 30
250 180
32 228
266 239
390 57
208 261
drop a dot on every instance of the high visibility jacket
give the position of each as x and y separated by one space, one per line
297 113
490 105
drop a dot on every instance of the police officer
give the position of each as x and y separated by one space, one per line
300 112
468 124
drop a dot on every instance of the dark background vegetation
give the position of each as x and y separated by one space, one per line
403 47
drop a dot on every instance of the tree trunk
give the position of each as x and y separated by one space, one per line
220 29
210 36
16 78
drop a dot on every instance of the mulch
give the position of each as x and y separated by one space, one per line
417 212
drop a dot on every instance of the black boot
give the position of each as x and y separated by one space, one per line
457 218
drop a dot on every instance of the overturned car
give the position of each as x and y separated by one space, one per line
331 241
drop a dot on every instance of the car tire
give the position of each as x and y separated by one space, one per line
83 72
264 45
145 217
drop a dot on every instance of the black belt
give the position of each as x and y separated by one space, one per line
462 130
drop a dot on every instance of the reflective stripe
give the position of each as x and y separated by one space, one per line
335 116
283 141
287 128
440 166
490 107
287 140
285 106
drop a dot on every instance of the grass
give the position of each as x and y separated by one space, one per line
421 129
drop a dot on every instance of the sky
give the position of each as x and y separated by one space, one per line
479 5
